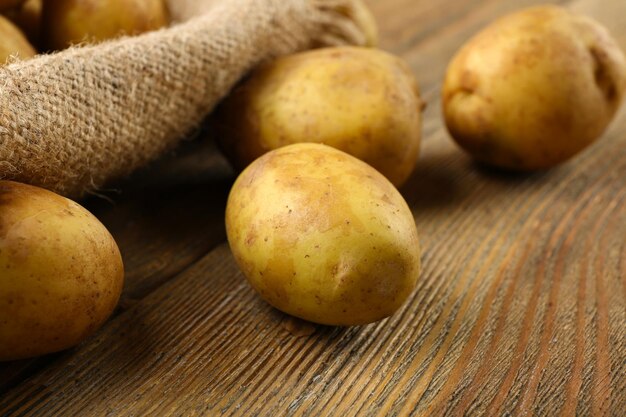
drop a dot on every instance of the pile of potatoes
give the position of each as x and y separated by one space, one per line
324 237
28 26
324 140
61 272
317 223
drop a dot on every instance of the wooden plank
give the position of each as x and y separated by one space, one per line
521 308
494 324
164 218
427 34
167 216
170 214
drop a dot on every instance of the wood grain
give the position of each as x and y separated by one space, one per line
164 218
168 215
520 310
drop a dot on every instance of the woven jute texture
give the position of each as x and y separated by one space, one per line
73 120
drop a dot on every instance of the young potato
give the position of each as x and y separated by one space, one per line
62 272
13 43
323 236
362 101
66 22
28 18
534 88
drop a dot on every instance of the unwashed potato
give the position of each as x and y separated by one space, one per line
28 18
323 236
61 272
534 88
66 22
13 43
362 101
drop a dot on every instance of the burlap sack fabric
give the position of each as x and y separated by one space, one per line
74 120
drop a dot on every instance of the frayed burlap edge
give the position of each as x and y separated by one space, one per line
72 121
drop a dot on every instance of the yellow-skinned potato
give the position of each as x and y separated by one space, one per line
323 236
13 43
61 272
362 101
28 18
66 22
534 88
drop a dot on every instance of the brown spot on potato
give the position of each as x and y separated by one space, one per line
602 75
468 82
387 200
251 237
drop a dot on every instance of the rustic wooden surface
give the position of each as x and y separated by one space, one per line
520 310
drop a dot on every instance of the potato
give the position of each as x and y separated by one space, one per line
61 272
28 19
13 43
66 22
323 236
533 88
362 101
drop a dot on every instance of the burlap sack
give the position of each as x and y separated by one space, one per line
74 120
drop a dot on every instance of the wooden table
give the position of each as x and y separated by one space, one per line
520 309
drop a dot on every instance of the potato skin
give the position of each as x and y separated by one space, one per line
534 88
67 22
13 42
28 18
61 273
323 236
362 101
